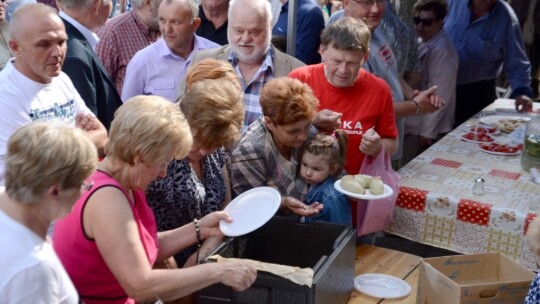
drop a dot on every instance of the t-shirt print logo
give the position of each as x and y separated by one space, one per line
386 55
352 128
63 111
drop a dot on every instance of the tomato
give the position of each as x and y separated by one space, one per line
502 148
478 137
483 129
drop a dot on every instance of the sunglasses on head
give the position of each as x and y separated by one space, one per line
424 21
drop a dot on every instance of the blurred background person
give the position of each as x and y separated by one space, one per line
109 242
47 168
214 20
440 63
487 37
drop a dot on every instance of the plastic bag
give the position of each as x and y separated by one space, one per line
376 215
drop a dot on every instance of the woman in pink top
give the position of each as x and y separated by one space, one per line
109 242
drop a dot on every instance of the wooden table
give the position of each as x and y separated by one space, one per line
372 259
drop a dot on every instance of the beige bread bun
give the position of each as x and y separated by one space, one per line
367 179
347 178
376 187
352 186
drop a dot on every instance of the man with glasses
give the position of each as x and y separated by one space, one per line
382 62
487 37
439 67
159 68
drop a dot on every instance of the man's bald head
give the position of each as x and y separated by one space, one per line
27 17
38 40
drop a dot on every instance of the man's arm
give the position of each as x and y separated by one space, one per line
421 102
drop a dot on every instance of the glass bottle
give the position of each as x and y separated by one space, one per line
530 157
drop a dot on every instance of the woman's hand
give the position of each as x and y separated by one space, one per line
239 275
299 208
209 224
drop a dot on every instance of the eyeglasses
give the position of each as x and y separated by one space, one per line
369 3
87 185
424 21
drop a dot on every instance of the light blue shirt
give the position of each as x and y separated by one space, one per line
488 45
156 70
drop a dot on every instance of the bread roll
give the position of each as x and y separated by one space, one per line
352 186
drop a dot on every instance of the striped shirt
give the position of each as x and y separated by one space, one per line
252 90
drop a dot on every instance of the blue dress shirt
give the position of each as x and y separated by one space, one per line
488 45
336 205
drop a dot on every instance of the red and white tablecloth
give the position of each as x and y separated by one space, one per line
436 205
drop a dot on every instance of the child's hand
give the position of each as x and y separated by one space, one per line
297 207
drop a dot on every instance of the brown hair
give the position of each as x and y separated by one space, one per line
347 34
332 145
439 7
285 101
214 109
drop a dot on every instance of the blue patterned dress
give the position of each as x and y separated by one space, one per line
533 297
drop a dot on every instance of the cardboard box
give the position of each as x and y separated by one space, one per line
327 248
473 279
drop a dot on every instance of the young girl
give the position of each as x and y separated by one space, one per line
322 163
533 238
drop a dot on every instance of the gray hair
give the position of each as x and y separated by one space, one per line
261 4
192 6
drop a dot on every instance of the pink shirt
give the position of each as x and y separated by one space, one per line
81 258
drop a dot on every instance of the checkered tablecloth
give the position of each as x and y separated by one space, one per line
436 205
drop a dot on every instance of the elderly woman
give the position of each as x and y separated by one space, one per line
46 168
198 184
270 149
109 242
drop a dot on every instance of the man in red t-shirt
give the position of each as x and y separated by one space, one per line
364 99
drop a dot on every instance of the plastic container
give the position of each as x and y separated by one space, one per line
329 249
530 157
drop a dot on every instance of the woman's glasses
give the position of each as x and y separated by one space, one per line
424 21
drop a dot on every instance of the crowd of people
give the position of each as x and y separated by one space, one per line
188 104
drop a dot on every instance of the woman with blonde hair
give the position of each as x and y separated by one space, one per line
198 184
47 167
109 242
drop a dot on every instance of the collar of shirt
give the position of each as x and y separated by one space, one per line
90 36
267 63
424 46
165 51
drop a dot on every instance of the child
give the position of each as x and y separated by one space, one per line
533 237
322 163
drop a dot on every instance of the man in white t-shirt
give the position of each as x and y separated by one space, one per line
32 85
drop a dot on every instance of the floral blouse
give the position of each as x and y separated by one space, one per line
181 197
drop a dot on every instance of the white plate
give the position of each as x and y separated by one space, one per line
367 196
498 153
475 141
250 210
381 286
493 120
